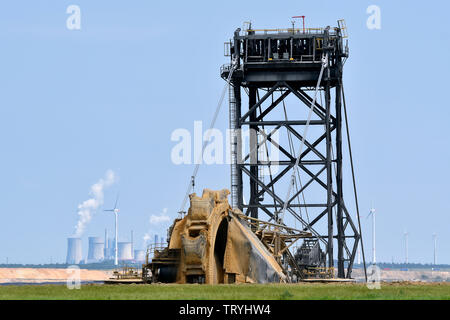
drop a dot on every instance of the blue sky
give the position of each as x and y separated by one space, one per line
74 104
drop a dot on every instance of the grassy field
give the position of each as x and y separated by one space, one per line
390 291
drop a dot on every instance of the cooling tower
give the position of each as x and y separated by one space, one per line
139 255
125 251
73 250
96 250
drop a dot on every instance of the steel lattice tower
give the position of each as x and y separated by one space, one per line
272 65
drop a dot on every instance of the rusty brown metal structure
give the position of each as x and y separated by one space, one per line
215 244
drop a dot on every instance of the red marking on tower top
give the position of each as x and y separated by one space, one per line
300 17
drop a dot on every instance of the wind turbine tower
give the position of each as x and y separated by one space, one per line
374 257
406 234
115 210
435 245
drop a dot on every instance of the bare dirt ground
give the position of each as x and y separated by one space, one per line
411 275
35 275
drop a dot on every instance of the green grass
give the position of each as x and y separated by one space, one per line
228 292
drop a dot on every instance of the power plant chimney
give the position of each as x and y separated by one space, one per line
73 250
96 250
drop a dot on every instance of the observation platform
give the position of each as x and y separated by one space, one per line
267 56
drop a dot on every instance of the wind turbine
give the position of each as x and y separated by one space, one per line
406 234
372 213
435 245
115 210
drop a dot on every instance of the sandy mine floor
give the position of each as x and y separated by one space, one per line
31 275
413 275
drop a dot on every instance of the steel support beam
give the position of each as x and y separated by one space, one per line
276 81
253 104
339 188
329 185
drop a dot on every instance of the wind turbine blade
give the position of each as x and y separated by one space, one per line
117 199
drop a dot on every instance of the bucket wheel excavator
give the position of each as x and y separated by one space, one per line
215 244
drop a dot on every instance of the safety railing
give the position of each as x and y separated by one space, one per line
291 30
343 27
127 272
151 248
319 272
225 68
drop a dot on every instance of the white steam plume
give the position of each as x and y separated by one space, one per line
159 219
157 225
86 208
